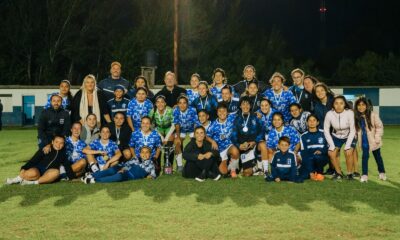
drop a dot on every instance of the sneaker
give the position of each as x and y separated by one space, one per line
356 174
364 178
266 174
319 177
201 177
89 180
15 180
233 173
329 171
213 176
257 172
313 176
382 176
350 177
218 177
337 177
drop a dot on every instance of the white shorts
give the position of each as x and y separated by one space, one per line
245 157
183 135
224 154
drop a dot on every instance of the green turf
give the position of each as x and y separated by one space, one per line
175 208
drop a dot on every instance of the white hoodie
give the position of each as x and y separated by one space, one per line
343 127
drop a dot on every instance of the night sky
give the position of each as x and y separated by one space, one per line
351 25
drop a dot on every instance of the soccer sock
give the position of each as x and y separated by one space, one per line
94 167
260 164
265 164
31 182
234 164
17 179
179 160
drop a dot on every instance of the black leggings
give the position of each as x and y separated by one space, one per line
193 169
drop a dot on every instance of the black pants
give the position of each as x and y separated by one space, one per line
193 169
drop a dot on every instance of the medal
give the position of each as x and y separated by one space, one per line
105 158
223 136
118 142
245 129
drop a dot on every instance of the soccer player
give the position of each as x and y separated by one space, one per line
140 82
203 119
163 118
193 92
279 130
137 168
249 75
265 114
206 101
44 168
219 82
284 163
118 103
201 159
137 108
314 151
121 134
280 98
74 149
299 117
144 136
184 120
303 97
255 97
228 99
247 136
65 93
102 153
341 120
220 133
323 102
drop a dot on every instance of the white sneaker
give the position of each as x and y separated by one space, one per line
382 176
364 178
15 180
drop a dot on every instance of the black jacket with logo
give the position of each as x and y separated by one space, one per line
53 122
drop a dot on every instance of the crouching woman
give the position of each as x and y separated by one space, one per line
44 168
201 159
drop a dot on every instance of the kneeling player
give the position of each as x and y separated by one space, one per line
284 166
314 151
220 134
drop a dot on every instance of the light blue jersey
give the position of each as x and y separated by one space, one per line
221 132
111 147
288 131
74 150
186 120
139 139
138 110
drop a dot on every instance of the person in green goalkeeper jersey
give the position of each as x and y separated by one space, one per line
162 119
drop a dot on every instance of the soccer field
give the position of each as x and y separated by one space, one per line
175 208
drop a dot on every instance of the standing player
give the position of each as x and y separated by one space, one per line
206 101
184 120
228 99
118 103
137 108
193 93
220 133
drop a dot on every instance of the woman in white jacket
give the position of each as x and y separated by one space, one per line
339 129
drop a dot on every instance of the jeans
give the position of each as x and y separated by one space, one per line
378 159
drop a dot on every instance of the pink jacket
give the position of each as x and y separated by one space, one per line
374 134
343 127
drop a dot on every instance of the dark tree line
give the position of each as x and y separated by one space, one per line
43 42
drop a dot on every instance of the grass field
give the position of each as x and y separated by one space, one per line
175 208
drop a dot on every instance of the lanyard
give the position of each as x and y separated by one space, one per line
117 132
254 103
145 139
279 134
205 103
159 116
278 100
245 121
298 97
183 116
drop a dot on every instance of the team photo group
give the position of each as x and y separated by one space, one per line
117 130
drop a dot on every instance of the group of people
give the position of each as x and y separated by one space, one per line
116 131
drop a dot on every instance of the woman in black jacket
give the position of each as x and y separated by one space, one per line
44 168
201 159
89 100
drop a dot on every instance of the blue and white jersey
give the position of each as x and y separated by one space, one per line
186 120
313 141
217 92
74 150
208 103
115 106
300 123
281 102
198 123
139 139
192 95
147 165
221 132
111 147
65 102
138 110
288 131
266 120
233 106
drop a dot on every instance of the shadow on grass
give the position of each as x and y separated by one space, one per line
246 192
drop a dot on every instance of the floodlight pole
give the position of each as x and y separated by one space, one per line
176 36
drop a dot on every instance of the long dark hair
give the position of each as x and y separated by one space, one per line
343 98
69 94
329 93
366 115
